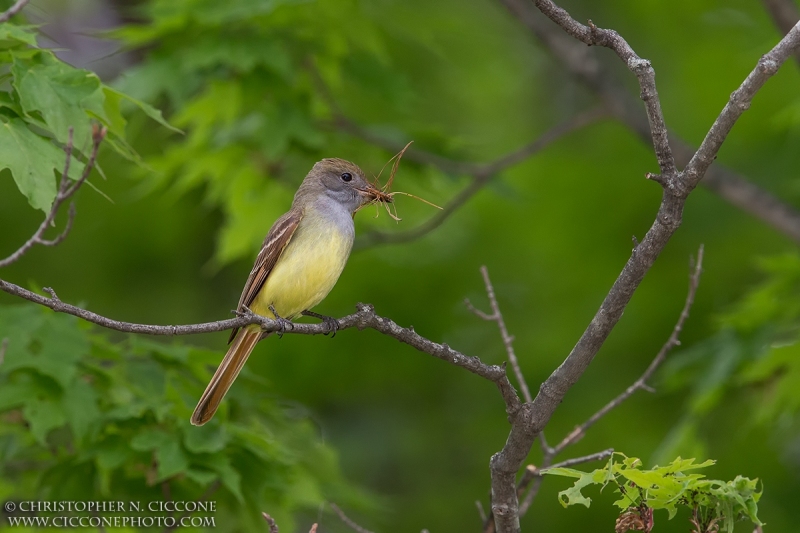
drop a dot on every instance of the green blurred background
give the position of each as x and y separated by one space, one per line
464 80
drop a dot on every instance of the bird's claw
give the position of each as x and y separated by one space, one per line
283 323
331 323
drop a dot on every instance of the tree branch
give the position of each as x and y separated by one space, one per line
785 15
273 527
641 383
739 102
347 520
6 15
364 318
481 173
66 189
532 417
508 340
594 36
583 63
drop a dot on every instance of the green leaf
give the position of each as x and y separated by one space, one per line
80 406
169 455
573 495
63 95
14 34
171 459
149 110
43 415
209 438
32 160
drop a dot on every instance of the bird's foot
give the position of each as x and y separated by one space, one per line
282 322
332 323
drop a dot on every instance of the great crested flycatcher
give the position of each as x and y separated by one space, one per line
298 265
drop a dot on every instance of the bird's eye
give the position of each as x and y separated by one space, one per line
347 176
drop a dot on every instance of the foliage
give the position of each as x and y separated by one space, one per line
667 487
42 99
755 352
109 419
245 93
466 81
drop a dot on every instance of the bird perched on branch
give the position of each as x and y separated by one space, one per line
299 263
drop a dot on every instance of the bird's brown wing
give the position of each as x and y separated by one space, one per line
278 237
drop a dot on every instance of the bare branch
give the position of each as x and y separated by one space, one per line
365 317
594 36
273 527
599 456
508 340
739 102
13 10
481 511
3 348
66 189
347 520
785 15
482 173
532 417
583 63
641 383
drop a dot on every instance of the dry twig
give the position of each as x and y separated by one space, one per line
347 520
640 384
273 527
6 15
508 340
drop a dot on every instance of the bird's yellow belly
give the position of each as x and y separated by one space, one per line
305 273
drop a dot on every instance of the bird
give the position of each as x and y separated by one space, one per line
300 261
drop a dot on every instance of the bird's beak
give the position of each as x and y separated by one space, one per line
372 194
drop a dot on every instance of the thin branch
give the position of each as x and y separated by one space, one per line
641 383
785 15
481 173
599 456
3 348
364 318
66 189
532 417
347 520
594 36
739 102
584 64
508 340
13 10
273 527
481 511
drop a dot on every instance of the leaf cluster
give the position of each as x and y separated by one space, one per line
45 103
667 487
249 94
102 418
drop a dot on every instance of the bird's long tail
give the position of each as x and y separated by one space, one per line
229 368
